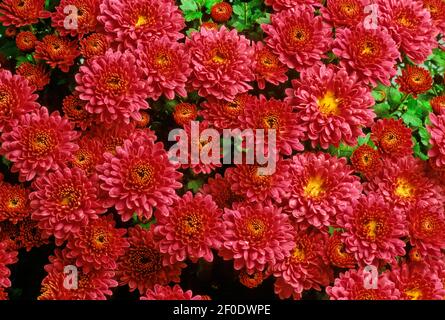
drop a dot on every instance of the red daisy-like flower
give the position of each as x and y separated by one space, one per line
38 142
57 52
22 12
332 106
210 25
74 109
7 257
268 68
160 292
414 80
190 228
184 113
221 12
10 234
251 280
392 137
366 160
14 204
225 114
17 97
26 41
30 235
322 187
257 236
351 286
64 201
279 5
83 13
166 67
138 178
142 267
220 190
306 268
275 116
11 32
113 87
427 228
256 183
299 38
96 44
371 53
128 21
221 63
437 140
436 9
411 27
36 74
345 13
98 245
417 283
438 104
88 155
373 230
337 254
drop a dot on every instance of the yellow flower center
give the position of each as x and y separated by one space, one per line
314 187
329 104
404 189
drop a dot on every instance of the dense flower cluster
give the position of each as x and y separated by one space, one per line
324 124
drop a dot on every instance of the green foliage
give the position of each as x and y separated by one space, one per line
342 151
191 10
194 185
247 15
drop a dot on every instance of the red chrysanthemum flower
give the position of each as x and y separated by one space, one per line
142 267
38 142
3 294
299 38
332 106
64 201
411 27
251 280
306 268
221 12
57 52
351 286
112 136
279 5
225 114
184 113
22 12
366 160
128 21
84 17
322 187
436 9
427 228
337 254
403 183
94 285
257 183
373 230
14 204
30 235
166 67
274 115
392 137
17 97
97 245
112 86
417 283
437 140
74 109
7 257
221 63
138 178
96 44
414 80
88 155
10 233
144 121
268 68
438 104
26 41
168 293
371 53
345 13
36 74
210 25
257 236
220 190
190 228
11 32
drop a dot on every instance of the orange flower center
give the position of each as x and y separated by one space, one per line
191 225
271 121
299 35
145 260
256 228
70 197
141 175
315 187
329 104
6 100
220 56
116 83
372 225
42 142
404 189
100 238
268 60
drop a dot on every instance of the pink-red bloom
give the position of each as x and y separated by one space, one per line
279 5
169 293
268 68
14 203
20 13
58 52
36 74
437 132
345 13
392 137
7 257
75 17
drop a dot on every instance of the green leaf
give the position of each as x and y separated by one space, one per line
364 140
238 9
424 136
192 15
264 19
210 3
412 120
394 97
188 5
418 152
194 185
148 224
382 109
